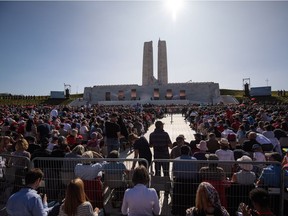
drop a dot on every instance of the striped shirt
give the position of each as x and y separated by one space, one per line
85 209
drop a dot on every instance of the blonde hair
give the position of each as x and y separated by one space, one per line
202 200
75 196
21 144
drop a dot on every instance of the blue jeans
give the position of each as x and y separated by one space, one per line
112 144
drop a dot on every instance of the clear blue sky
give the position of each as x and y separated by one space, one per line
46 44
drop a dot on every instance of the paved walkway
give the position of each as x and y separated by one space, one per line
173 125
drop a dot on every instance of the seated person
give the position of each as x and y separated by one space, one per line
136 204
114 175
27 201
185 181
114 167
225 154
245 176
212 143
216 176
176 150
180 136
271 175
258 156
75 202
212 171
260 201
203 150
207 202
94 143
180 169
87 170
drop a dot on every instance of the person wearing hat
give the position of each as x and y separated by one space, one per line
202 146
271 175
176 150
245 176
180 136
193 143
225 154
160 141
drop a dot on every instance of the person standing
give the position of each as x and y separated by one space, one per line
113 134
141 149
160 141
27 202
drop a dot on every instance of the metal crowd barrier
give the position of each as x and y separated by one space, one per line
105 191
177 188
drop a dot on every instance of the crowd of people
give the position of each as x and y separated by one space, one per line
236 133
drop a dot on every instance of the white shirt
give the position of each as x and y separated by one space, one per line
140 201
226 132
50 147
260 138
84 132
225 155
67 126
259 156
54 113
88 171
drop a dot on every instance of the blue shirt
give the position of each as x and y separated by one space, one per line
26 202
114 168
271 176
184 169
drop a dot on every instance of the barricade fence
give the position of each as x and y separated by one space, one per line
106 180
180 183
12 175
